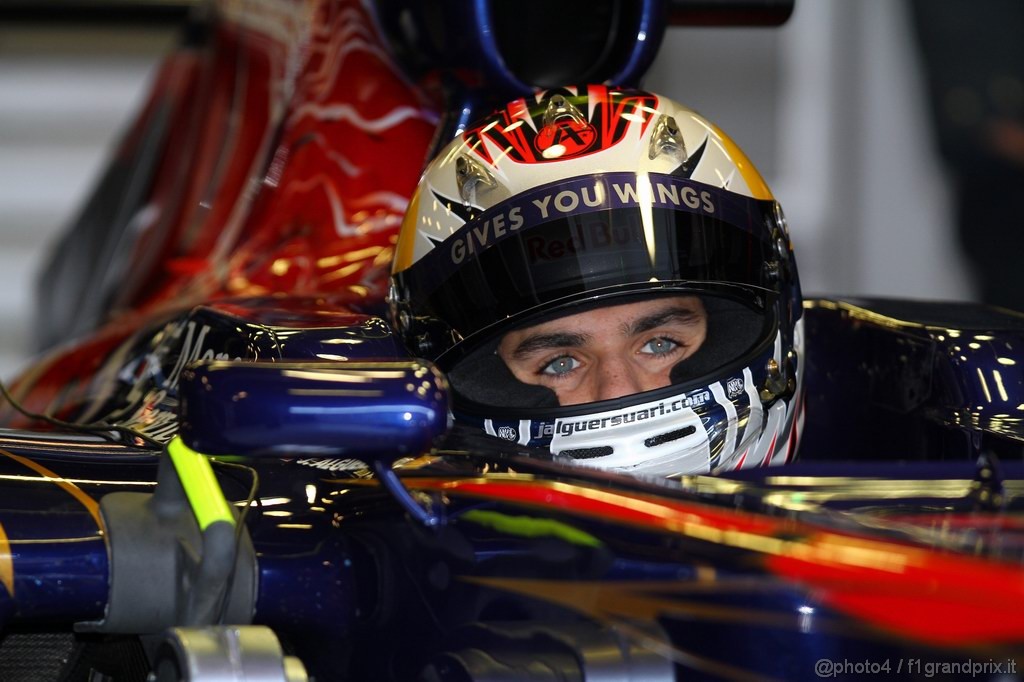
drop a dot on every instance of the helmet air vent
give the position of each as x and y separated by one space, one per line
668 437
559 107
667 139
469 176
588 453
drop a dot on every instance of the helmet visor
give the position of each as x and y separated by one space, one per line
503 265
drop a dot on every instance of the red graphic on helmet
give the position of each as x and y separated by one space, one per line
565 137
561 124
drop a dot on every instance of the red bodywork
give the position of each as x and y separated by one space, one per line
294 145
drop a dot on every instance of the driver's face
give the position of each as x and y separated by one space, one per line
607 352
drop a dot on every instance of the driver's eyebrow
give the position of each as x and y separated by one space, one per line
540 342
655 320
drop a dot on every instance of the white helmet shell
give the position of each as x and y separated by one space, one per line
592 196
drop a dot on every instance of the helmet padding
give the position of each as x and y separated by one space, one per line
482 376
733 330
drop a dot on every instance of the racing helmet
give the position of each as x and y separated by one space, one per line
582 197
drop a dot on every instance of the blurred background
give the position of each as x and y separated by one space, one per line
832 107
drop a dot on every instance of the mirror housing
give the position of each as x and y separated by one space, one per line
377 411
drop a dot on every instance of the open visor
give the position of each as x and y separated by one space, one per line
562 242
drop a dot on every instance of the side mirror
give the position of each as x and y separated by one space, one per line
375 411
369 410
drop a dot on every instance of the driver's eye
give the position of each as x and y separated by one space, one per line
560 366
660 346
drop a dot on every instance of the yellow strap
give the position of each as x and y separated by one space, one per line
197 478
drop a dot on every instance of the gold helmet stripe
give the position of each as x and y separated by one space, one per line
758 187
407 234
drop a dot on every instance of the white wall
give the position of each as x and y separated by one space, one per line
65 95
829 107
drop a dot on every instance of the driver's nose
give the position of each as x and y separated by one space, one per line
617 378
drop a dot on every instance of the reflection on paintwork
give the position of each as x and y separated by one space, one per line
76 481
634 607
859 313
328 393
984 385
6 563
997 375
90 504
20 438
96 536
864 484
274 501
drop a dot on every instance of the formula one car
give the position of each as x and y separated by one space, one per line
235 471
